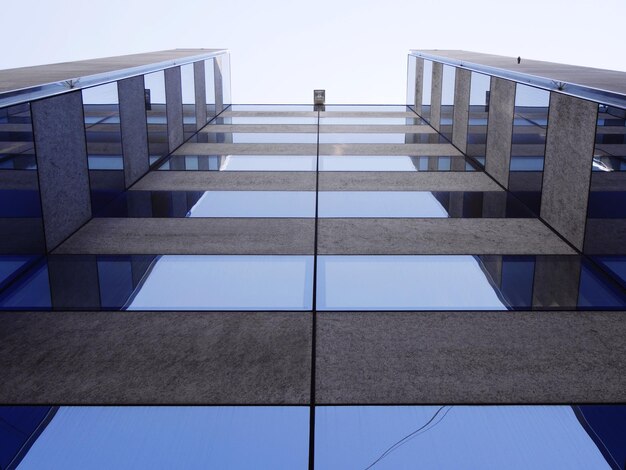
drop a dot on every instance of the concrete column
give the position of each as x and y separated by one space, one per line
419 84
219 84
460 116
567 165
174 100
500 129
200 90
435 95
556 281
61 165
134 129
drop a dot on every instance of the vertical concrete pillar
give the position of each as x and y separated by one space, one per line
567 165
500 129
419 84
174 100
435 95
200 91
134 129
219 84
61 165
460 116
556 281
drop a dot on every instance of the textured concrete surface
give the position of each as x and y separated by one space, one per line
500 129
218 84
174 109
460 117
134 129
18 179
567 165
605 237
435 95
419 85
199 78
227 181
467 358
437 236
193 236
598 78
311 149
556 281
62 165
608 181
13 79
155 358
405 181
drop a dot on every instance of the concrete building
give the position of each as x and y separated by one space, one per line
161 245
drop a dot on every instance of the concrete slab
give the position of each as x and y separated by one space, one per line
227 181
311 149
470 358
193 236
437 236
14 79
611 80
155 358
405 181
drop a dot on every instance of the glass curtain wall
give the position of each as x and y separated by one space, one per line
478 116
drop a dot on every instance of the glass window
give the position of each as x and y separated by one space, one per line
132 437
404 283
478 115
189 99
17 147
227 283
410 81
452 437
156 114
447 100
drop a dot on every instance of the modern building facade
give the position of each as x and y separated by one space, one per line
331 282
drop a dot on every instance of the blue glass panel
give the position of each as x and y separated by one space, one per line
17 425
598 291
404 283
227 283
517 280
453 437
240 163
17 147
255 204
173 437
616 266
19 203
116 281
30 291
379 204
607 205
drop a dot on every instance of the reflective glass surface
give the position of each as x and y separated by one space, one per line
189 100
464 282
226 283
453 437
263 137
410 80
240 162
212 204
104 143
387 163
156 115
265 120
447 100
427 89
21 223
610 143
528 144
478 115
209 84
132 437
366 138
152 282
404 283
387 121
385 204
17 146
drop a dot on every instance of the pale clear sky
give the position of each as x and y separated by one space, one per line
283 49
